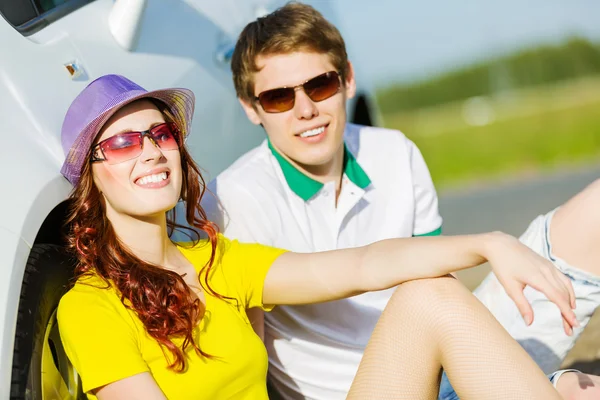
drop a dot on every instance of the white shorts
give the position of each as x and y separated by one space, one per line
545 340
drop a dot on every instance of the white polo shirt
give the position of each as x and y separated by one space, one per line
386 192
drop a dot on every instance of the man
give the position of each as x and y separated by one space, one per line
317 183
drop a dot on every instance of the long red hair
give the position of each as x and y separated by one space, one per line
160 298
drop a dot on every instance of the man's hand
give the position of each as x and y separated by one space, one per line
517 266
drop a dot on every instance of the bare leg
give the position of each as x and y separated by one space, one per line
578 386
579 215
435 323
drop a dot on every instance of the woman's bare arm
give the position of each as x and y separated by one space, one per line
297 278
137 387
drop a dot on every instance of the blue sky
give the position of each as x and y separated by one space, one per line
397 40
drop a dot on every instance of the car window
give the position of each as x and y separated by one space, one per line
30 16
47 5
17 12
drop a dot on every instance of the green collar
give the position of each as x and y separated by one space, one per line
306 187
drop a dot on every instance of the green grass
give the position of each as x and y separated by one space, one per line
536 129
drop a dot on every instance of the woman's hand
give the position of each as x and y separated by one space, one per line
517 266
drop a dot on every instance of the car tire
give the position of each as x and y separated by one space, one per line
40 367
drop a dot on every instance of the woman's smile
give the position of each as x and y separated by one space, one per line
156 178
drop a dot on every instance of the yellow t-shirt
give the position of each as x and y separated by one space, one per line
107 342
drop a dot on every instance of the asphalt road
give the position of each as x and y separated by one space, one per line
510 207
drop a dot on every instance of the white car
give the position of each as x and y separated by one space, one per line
50 50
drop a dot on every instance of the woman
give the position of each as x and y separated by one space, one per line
152 319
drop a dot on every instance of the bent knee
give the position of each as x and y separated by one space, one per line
443 292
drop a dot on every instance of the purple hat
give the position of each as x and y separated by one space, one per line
98 102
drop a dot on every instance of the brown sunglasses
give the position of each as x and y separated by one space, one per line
317 89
